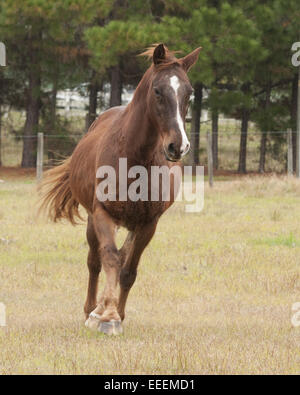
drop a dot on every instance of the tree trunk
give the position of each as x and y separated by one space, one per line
53 102
52 115
1 102
32 120
294 105
243 142
33 101
263 148
0 134
92 112
215 135
264 136
195 124
115 87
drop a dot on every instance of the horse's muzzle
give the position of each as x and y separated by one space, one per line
174 155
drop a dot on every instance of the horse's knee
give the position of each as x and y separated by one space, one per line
110 255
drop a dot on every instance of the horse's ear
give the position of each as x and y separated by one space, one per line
189 60
159 54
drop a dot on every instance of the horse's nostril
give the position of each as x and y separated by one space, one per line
171 148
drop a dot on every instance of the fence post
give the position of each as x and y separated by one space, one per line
290 152
39 157
210 160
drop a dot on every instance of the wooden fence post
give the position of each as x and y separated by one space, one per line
39 157
210 160
290 152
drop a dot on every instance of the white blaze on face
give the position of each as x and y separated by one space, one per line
175 84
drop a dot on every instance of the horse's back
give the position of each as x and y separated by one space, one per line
107 116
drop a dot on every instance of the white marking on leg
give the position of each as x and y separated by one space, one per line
175 84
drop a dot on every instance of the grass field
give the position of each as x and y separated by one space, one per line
214 292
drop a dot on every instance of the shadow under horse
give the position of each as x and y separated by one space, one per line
149 131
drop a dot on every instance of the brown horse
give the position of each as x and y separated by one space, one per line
150 131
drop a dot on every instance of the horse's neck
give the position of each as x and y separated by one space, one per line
140 135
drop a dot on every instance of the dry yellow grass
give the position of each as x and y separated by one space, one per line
213 296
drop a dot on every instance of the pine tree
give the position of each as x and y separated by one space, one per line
39 35
115 44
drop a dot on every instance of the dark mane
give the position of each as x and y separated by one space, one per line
170 58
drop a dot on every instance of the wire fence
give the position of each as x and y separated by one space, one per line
228 151
58 147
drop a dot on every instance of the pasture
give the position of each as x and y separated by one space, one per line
213 296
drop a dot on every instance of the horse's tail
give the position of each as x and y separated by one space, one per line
57 198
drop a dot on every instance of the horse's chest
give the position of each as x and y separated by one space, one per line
132 214
140 200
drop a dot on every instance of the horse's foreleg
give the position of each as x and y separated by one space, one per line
132 250
105 316
94 266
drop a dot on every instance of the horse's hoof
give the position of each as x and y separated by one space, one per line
112 327
93 322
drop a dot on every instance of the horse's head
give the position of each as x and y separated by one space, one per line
168 99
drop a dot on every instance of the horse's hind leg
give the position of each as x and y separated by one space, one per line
94 266
105 316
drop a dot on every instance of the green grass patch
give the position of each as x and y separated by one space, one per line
282 240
